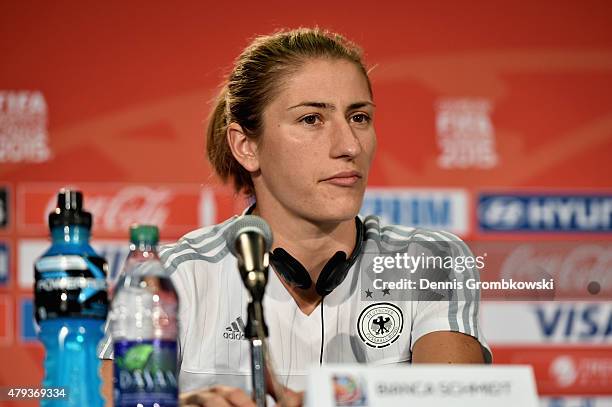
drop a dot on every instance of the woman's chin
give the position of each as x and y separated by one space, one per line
337 211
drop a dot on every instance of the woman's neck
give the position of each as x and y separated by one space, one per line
311 243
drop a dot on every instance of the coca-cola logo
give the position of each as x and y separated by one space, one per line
572 267
133 204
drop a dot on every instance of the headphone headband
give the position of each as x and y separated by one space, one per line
333 273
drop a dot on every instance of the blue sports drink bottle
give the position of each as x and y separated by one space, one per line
70 305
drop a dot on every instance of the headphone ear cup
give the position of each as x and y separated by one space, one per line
333 274
292 270
336 269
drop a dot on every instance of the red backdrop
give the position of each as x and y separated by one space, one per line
476 101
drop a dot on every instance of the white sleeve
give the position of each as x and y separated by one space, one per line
458 311
105 347
184 291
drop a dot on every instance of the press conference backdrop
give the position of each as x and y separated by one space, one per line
494 121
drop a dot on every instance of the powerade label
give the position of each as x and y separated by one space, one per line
145 373
70 286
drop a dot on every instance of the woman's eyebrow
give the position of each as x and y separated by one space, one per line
358 105
320 105
331 106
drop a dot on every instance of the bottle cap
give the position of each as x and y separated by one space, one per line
144 234
69 210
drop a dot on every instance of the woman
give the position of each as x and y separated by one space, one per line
293 128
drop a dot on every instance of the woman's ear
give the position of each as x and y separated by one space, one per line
243 148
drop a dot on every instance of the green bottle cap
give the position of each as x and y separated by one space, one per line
144 234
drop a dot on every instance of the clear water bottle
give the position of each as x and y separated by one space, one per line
70 305
143 325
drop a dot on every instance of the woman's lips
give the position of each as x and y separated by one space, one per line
344 179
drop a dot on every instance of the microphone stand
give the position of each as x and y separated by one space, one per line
255 276
258 357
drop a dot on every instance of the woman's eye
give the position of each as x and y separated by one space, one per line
360 118
311 119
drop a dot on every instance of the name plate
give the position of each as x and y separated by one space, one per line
421 385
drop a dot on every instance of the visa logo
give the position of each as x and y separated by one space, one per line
424 208
571 322
548 213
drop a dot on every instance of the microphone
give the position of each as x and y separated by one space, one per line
249 239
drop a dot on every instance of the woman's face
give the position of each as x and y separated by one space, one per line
318 142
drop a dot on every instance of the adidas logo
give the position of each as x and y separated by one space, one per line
235 330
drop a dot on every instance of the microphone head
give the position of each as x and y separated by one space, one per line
248 223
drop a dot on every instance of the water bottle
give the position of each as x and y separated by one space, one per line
70 305
143 325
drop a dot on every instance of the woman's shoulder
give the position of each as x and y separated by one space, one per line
205 244
377 228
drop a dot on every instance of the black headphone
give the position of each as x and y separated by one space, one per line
333 274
